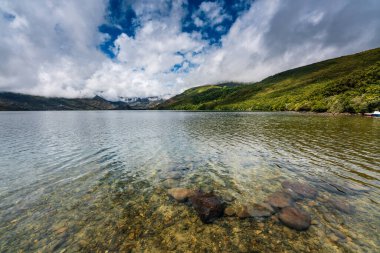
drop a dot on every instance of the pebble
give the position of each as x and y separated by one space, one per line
180 237
61 230
258 210
333 237
255 211
314 222
295 218
170 183
180 194
230 211
243 213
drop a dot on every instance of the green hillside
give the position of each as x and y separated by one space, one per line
345 84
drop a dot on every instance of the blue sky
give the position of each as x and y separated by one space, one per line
143 48
212 19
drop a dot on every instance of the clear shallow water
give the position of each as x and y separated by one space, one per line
97 181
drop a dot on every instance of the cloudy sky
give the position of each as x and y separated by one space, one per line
131 48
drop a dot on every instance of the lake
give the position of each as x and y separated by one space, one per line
93 181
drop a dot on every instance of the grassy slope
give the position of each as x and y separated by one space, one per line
345 84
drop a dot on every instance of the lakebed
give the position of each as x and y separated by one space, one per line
98 181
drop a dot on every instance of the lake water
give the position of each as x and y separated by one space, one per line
97 181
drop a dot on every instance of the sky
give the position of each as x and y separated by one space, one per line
125 48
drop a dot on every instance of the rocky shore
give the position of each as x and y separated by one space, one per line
282 205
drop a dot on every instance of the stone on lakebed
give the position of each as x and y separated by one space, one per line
259 211
295 218
341 205
230 211
180 194
256 211
170 183
280 200
302 189
207 205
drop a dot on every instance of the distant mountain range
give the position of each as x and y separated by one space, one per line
10 101
143 103
345 84
21 102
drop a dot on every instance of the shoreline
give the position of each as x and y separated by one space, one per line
295 112
178 110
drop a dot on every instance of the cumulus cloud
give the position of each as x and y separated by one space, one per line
150 62
210 13
49 47
52 48
274 36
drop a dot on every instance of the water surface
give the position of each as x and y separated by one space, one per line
98 181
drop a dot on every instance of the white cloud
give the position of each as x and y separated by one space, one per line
210 13
50 48
155 47
144 62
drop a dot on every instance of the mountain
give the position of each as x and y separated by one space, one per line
345 84
143 103
20 102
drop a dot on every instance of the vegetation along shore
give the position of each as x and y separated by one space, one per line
348 84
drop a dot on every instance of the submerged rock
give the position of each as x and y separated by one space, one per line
180 194
280 200
170 183
295 218
259 211
341 205
243 212
207 205
302 189
256 210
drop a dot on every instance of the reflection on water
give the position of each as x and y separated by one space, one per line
97 181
